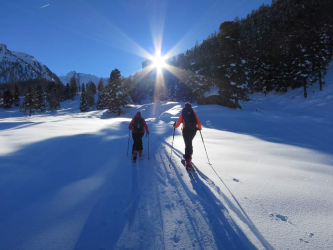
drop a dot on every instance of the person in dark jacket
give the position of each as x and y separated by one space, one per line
138 126
191 124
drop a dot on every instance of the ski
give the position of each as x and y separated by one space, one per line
190 171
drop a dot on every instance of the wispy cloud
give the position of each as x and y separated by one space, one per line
45 6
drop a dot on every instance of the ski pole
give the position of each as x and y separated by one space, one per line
173 138
128 140
148 147
205 147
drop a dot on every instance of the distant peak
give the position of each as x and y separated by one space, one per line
3 46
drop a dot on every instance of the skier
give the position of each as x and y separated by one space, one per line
138 126
191 124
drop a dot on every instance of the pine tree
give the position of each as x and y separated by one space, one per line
233 72
78 83
53 96
90 92
100 85
84 107
73 86
16 100
114 95
40 99
29 102
67 92
7 99
101 103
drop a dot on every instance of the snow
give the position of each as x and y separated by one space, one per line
22 66
67 183
213 91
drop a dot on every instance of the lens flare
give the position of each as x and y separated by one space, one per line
159 61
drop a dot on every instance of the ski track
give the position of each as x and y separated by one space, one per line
105 202
150 204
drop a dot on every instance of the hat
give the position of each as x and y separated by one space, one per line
188 105
138 113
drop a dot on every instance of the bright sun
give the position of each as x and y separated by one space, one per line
158 61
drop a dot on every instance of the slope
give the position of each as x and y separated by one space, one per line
68 184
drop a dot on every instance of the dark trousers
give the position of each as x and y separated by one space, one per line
188 136
137 138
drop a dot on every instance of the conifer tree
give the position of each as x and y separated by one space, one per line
101 103
100 85
67 92
16 100
84 107
114 93
73 86
233 71
90 93
29 102
40 99
78 83
53 96
7 99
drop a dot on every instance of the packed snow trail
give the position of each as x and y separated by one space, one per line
67 183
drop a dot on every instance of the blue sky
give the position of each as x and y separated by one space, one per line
96 36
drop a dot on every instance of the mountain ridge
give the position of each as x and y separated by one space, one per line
20 67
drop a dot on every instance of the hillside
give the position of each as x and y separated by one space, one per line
20 67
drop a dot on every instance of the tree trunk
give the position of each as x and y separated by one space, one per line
320 81
305 91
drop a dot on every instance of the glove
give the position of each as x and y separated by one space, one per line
174 124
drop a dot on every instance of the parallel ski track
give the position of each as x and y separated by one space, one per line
226 234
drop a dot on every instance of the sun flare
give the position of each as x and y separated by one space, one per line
159 61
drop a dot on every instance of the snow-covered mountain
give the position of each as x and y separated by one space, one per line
18 66
81 78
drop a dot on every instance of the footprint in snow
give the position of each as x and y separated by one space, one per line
237 180
280 217
310 235
301 240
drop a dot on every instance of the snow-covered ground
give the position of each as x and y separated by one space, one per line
67 183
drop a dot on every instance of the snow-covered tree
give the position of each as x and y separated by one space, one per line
114 94
233 71
101 102
84 106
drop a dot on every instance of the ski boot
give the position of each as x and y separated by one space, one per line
188 164
135 154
